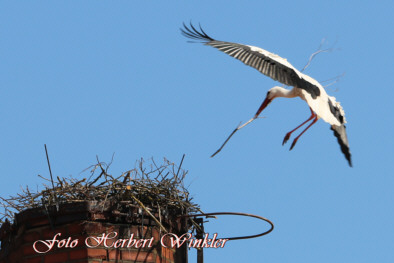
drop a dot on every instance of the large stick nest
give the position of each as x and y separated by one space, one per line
146 185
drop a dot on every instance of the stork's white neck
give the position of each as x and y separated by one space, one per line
282 92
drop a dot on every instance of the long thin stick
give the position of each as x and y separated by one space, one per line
49 165
180 165
319 50
234 131
150 214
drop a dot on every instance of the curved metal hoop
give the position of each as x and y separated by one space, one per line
238 214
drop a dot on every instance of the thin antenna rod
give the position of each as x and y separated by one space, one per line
49 166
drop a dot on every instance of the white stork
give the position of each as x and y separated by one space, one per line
308 89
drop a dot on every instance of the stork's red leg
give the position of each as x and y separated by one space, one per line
296 139
287 136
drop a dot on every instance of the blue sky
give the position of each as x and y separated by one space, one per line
98 77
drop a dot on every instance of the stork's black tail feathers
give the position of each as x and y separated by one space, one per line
340 133
193 33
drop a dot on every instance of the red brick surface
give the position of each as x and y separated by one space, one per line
17 245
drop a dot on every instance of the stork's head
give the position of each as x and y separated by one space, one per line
272 94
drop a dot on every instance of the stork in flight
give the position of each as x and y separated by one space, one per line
308 89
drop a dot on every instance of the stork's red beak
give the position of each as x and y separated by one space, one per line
263 106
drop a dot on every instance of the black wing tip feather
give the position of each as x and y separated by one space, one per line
340 133
193 33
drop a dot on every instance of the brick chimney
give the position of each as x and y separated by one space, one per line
80 229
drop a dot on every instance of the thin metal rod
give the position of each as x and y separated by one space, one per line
199 234
238 214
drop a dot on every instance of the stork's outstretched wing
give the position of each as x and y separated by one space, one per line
267 63
340 133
